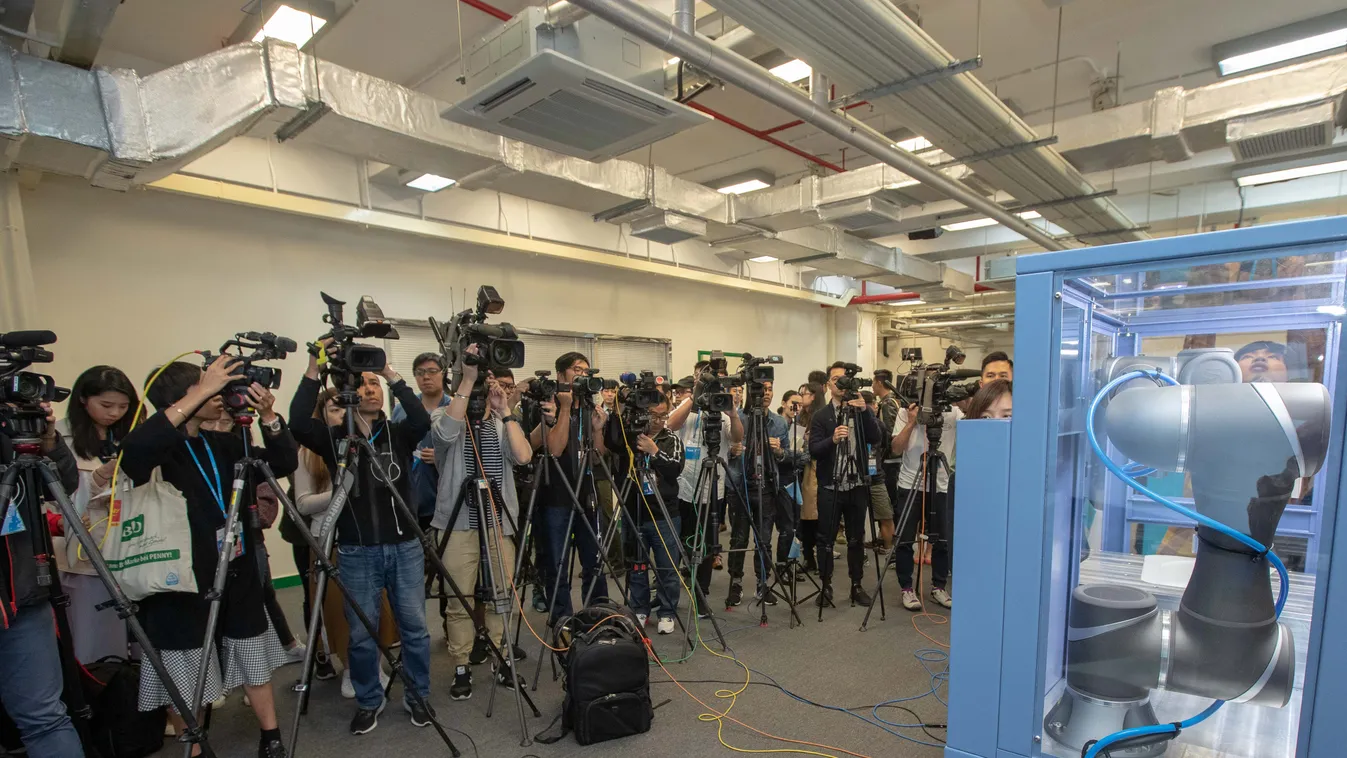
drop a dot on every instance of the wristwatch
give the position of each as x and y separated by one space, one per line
274 427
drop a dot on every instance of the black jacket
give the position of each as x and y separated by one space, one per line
18 567
667 465
369 518
821 445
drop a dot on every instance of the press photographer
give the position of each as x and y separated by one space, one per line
376 550
839 436
31 684
199 463
649 458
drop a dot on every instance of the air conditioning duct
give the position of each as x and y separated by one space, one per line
1282 133
584 89
832 250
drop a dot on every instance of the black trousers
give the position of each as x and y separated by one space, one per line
835 508
775 509
690 529
937 530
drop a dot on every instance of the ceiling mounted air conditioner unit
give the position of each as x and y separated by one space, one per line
585 89
1284 132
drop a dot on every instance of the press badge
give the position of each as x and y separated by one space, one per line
692 452
647 487
238 540
874 466
13 523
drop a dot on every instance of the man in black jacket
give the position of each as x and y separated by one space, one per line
841 448
31 678
654 538
376 546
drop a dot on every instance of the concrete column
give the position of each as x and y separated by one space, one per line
18 296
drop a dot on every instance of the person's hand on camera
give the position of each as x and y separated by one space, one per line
912 411
857 403
840 433
646 445
549 410
469 371
49 436
325 345
218 374
261 398
564 400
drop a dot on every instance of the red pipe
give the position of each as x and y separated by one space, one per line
791 124
983 288
762 136
486 7
891 297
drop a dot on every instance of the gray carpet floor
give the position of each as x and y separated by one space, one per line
829 662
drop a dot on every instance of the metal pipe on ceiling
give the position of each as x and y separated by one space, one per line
563 13
685 15
963 322
749 76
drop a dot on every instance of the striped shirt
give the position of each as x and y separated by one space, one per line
488 447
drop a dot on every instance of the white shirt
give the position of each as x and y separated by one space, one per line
690 435
916 446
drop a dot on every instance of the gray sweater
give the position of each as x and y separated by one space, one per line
447 434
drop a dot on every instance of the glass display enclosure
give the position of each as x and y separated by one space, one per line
1146 615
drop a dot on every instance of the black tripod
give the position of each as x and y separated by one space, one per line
847 476
759 466
349 451
792 573
931 462
32 471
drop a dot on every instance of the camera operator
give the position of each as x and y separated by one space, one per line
376 550
31 680
909 441
428 370
887 407
845 500
199 463
997 365
690 437
654 538
491 445
564 444
774 509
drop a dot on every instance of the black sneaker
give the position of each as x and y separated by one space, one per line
323 668
825 596
859 596
272 749
519 653
505 680
421 714
461 689
765 596
736 595
366 719
479 652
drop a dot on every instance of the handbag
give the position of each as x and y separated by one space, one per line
149 548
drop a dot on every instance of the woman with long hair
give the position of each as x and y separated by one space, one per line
812 399
992 401
98 416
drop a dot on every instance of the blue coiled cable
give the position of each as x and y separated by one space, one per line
1127 476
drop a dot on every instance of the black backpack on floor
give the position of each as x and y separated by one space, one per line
606 674
119 728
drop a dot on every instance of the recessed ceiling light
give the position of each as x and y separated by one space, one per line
672 61
978 223
901 303
913 145
1127 281
1286 51
290 25
430 183
792 71
742 187
764 259
1287 174
1333 310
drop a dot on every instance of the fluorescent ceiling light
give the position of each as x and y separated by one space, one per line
792 71
1287 174
978 223
1286 51
290 25
913 145
764 259
671 61
430 183
742 187
901 303
1333 310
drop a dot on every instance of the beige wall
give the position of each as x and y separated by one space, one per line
134 279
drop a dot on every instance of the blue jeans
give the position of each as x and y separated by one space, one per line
367 571
31 685
666 567
554 534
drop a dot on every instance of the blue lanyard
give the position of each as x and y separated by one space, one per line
377 433
217 491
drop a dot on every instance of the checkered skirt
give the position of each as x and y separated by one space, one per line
247 662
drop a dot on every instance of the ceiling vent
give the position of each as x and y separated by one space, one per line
585 89
863 213
1281 133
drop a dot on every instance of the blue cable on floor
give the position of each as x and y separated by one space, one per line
1127 477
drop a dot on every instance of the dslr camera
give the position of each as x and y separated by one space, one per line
754 373
584 388
850 384
935 387
712 391
23 392
637 395
265 346
349 360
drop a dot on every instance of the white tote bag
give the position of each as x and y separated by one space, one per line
149 545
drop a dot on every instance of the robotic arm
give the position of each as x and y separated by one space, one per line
1244 446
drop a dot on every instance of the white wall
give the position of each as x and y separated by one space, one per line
134 279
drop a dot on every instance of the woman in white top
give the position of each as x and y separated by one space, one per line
98 417
929 510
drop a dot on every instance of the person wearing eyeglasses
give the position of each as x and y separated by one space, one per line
429 373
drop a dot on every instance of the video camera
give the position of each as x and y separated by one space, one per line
584 387
266 346
23 392
712 391
850 384
754 373
933 387
349 360
637 395
498 345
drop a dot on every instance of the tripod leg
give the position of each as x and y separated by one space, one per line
900 530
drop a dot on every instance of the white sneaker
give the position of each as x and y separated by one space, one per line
641 619
911 601
348 689
666 626
296 653
942 597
